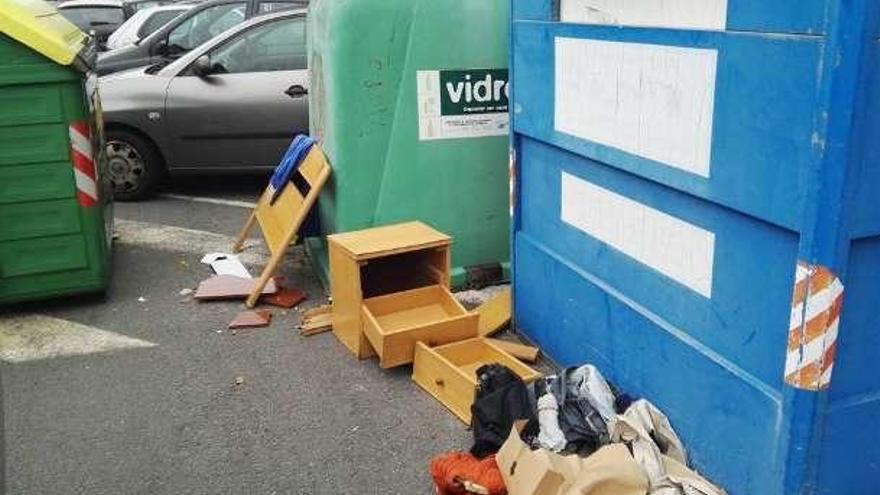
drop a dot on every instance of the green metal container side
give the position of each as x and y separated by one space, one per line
49 245
364 57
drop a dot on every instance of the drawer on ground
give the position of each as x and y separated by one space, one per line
449 372
393 323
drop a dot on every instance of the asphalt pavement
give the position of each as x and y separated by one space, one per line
146 391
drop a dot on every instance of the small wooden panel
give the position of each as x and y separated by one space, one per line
389 239
494 313
448 372
520 351
395 322
345 285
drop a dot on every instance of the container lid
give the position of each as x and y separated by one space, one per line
38 25
390 239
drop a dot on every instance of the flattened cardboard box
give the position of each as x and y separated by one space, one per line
610 471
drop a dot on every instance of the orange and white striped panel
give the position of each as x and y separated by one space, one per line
812 337
83 164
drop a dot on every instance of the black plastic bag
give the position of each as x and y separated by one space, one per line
584 429
501 399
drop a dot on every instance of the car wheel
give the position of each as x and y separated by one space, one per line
134 166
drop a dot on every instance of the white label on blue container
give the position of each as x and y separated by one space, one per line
652 101
462 103
675 248
683 14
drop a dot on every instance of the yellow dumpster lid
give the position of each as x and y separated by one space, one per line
38 25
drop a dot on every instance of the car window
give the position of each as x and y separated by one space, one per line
157 20
273 46
266 7
206 24
87 18
136 6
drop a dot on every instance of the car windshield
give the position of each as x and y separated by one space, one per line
157 20
89 17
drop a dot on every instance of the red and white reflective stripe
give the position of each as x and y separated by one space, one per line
83 164
815 317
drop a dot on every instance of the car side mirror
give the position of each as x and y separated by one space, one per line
161 47
202 66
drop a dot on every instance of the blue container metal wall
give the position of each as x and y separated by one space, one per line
695 197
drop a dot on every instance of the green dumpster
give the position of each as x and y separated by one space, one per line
409 100
54 205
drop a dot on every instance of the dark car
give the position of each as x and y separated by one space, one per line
198 25
230 105
100 17
103 17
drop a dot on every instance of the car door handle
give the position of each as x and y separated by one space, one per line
296 91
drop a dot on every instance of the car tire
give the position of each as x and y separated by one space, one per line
135 166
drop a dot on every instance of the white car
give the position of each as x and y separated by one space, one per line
143 23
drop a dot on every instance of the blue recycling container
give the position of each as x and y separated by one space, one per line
696 213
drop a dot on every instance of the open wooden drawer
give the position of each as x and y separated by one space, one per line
393 323
449 372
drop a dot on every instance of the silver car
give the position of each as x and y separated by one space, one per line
232 104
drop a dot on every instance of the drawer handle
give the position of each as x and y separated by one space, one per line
439 382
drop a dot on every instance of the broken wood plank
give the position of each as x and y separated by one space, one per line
494 314
316 320
252 319
284 298
222 287
520 351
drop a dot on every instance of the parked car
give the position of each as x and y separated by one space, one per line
99 16
232 104
189 30
103 17
143 23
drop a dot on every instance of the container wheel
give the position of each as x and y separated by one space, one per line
134 165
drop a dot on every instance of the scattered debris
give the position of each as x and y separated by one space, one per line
520 351
226 264
252 319
285 297
185 292
494 313
220 287
316 320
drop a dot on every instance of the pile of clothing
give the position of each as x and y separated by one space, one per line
622 446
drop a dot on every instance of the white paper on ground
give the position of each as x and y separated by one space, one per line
226 264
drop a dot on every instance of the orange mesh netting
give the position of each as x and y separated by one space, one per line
451 471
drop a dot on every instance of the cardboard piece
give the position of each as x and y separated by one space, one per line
610 471
226 264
